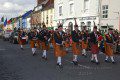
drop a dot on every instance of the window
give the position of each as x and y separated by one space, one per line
89 24
60 11
105 11
86 5
71 8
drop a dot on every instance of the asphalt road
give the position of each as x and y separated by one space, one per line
17 64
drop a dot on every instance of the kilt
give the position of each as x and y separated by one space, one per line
76 48
84 45
38 43
22 41
94 48
108 50
59 51
44 46
67 44
33 43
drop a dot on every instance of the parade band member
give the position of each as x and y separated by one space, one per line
45 38
59 52
109 45
94 45
67 39
22 38
84 41
76 39
33 36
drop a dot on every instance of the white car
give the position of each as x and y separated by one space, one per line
6 35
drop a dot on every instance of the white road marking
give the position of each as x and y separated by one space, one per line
80 65
2 49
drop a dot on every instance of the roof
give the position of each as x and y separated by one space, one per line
49 5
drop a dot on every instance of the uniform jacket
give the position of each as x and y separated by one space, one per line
76 36
110 38
44 33
58 37
93 38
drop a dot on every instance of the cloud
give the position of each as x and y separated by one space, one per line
13 8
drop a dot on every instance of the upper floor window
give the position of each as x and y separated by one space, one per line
60 10
105 11
86 5
71 8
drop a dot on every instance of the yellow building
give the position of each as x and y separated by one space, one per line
47 14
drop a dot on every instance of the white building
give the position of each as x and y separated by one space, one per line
87 12
110 14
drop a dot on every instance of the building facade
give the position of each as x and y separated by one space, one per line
88 13
43 14
47 14
110 14
82 12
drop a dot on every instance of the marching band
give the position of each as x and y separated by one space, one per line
78 41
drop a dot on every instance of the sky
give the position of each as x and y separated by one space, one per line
13 8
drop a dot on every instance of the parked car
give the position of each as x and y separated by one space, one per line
1 34
14 38
6 34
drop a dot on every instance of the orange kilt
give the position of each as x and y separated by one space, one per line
44 46
108 49
34 43
75 49
94 49
67 44
59 52
84 45
38 43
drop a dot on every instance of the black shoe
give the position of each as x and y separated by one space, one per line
45 58
114 62
34 54
21 48
60 66
92 61
97 63
107 61
57 64
84 55
75 62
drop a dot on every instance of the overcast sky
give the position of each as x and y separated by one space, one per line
13 8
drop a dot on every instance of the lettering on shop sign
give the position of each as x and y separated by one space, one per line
87 18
